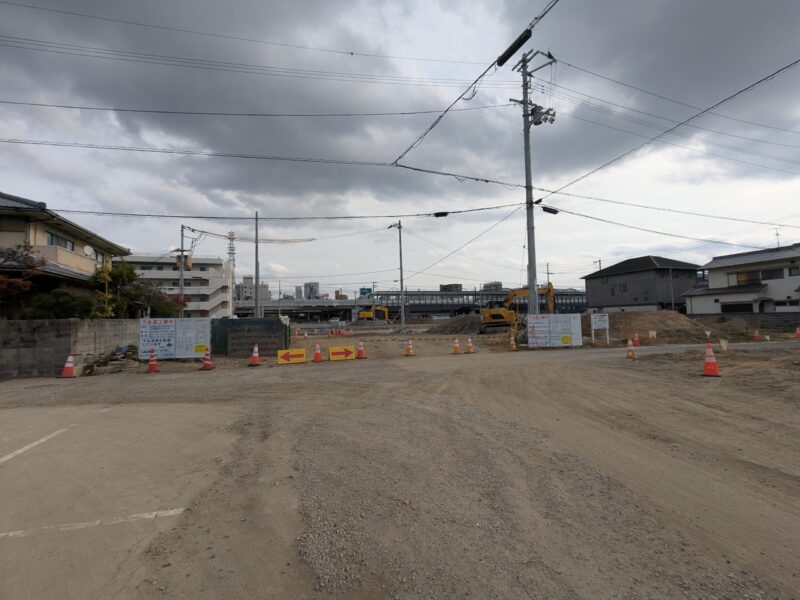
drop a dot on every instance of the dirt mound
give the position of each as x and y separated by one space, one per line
670 327
464 324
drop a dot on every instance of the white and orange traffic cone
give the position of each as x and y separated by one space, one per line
456 347
470 348
68 372
636 340
305 335
710 366
317 353
757 335
152 364
409 349
631 350
207 366
361 352
512 345
255 359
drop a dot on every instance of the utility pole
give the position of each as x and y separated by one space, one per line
599 264
536 115
180 274
258 275
399 227
548 272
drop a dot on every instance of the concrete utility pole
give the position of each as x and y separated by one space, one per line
399 227
536 115
180 275
258 275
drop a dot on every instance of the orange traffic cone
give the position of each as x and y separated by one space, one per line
757 335
68 372
710 366
636 339
409 349
152 364
207 366
255 359
317 353
470 348
305 335
361 351
797 333
456 347
631 350
512 345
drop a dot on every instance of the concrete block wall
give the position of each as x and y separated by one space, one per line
39 348
271 335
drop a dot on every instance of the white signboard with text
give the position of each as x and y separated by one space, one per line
600 321
554 331
174 338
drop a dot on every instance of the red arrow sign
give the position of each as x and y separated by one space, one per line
343 352
290 356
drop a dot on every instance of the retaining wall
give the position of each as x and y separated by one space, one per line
271 335
39 348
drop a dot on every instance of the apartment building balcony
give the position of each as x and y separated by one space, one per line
56 255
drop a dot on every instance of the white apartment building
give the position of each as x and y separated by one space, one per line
764 281
247 289
207 282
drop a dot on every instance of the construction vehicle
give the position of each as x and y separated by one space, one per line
374 313
506 313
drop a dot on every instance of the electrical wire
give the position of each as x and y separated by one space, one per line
68 49
234 37
246 114
764 79
668 99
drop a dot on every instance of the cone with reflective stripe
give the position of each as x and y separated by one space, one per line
757 335
207 366
409 349
456 347
636 339
255 359
631 350
305 335
797 333
710 366
152 364
470 348
317 353
512 345
361 351
68 372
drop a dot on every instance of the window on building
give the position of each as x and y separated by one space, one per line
623 287
701 276
612 292
604 280
767 274
100 259
794 271
746 277
145 268
737 307
53 239
204 268
160 268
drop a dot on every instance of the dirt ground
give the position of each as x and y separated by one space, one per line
547 475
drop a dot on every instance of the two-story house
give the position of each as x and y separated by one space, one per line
72 253
763 281
641 283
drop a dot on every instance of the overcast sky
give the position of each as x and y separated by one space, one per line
743 161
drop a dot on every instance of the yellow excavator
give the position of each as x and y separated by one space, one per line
374 313
506 313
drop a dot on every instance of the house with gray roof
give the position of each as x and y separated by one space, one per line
641 283
763 281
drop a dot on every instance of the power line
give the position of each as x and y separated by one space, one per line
472 88
674 127
68 49
234 37
667 98
655 231
245 114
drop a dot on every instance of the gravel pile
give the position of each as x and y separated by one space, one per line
464 324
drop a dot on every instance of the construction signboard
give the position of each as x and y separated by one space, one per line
174 338
291 357
554 331
342 353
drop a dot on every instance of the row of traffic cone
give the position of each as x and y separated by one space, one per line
470 349
710 366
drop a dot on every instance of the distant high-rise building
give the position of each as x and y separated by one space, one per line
298 292
247 290
340 296
311 290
